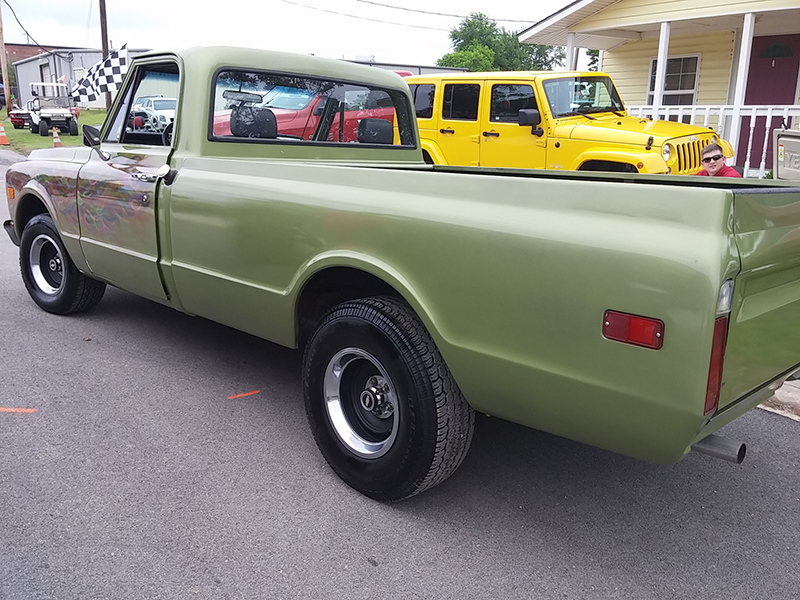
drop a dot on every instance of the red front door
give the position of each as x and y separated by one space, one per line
772 80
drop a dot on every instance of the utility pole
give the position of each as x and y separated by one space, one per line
4 63
104 34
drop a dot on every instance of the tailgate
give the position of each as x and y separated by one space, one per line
764 330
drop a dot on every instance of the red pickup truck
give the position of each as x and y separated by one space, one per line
298 111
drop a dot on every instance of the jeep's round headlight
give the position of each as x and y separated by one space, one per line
666 152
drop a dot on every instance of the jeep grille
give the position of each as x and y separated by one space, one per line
688 151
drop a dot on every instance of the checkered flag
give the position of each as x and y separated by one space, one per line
105 76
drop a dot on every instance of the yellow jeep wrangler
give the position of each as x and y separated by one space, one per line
547 120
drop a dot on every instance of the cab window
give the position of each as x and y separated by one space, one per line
140 122
508 100
263 107
460 101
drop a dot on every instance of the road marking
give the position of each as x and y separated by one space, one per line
17 410
243 395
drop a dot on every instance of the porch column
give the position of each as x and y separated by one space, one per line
661 68
570 51
741 79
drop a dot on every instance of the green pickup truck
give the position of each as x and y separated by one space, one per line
636 313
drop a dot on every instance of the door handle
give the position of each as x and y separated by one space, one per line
490 134
147 177
447 131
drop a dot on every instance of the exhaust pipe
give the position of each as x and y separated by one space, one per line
720 447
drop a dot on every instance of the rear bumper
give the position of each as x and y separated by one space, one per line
12 232
736 409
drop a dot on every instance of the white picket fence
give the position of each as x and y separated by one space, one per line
722 117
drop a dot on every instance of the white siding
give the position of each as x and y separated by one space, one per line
629 65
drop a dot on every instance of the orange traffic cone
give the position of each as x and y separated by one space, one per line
3 137
56 140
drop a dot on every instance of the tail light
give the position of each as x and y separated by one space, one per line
724 304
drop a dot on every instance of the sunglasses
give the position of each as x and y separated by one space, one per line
716 157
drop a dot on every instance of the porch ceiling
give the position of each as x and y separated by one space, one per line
554 29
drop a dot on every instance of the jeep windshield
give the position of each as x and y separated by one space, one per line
569 96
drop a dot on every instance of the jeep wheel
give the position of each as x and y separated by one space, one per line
50 276
32 127
73 127
44 129
382 405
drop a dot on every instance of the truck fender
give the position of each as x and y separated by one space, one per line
434 152
379 270
652 161
33 193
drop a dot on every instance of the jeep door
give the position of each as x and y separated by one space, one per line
503 142
459 128
118 188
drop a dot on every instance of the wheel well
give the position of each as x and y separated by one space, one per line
333 286
608 165
29 207
427 157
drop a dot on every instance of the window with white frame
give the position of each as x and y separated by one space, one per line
680 85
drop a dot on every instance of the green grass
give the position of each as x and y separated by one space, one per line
23 141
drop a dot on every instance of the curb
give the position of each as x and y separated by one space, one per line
785 402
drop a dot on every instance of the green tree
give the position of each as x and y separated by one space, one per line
509 54
594 59
474 58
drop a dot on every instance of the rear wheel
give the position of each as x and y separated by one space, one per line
383 406
33 128
50 276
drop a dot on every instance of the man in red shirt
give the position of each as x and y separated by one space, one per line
714 163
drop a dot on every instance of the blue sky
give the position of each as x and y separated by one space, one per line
300 26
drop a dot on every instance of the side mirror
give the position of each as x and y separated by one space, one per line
530 117
91 138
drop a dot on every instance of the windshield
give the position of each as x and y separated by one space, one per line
582 95
168 104
288 98
54 102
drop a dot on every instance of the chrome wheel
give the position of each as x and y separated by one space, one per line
361 402
46 265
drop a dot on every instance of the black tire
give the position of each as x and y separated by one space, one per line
19 126
73 127
382 404
43 128
50 276
32 128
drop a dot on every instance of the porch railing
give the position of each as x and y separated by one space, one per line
755 160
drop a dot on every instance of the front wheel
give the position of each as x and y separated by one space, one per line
50 276
43 128
382 404
73 127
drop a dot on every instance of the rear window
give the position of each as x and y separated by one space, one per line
423 95
460 101
272 107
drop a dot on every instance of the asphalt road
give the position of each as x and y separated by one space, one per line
138 477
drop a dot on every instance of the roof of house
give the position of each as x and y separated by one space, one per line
596 27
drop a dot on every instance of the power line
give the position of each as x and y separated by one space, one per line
333 12
67 57
438 14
